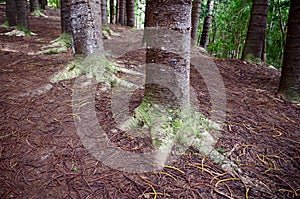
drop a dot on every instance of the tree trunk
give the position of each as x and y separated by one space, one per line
86 27
195 20
112 11
43 4
168 26
34 5
65 16
117 11
206 24
22 14
256 34
130 13
104 13
122 12
11 12
290 76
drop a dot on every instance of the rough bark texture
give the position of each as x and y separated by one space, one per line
121 19
65 16
34 5
290 75
22 13
104 13
112 11
256 34
195 20
130 13
43 4
86 26
11 12
206 24
168 25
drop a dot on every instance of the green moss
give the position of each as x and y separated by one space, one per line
5 25
254 60
37 13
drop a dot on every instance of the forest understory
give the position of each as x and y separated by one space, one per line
41 155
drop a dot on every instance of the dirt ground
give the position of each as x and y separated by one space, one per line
41 155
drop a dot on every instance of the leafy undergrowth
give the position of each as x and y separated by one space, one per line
41 155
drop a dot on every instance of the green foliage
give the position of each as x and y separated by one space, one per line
221 150
276 32
54 3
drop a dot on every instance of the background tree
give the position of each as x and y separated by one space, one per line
196 9
206 24
121 11
130 13
65 16
112 11
255 41
22 14
104 13
43 4
290 76
10 12
34 5
86 27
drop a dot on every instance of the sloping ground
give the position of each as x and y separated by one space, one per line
41 156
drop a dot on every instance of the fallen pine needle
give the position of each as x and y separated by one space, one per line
225 180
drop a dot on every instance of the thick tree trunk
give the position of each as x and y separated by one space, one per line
256 34
43 4
34 5
86 27
65 16
112 11
10 12
22 14
195 20
130 13
290 75
168 26
206 24
122 12
104 13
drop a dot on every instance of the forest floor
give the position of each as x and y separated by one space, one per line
41 155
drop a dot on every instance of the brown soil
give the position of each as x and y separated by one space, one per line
41 156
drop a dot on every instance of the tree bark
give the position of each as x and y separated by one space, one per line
168 26
290 76
121 12
34 5
86 27
195 20
130 13
112 11
43 4
22 14
65 16
104 13
10 12
256 34
206 24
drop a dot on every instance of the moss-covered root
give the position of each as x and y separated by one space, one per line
59 45
98 67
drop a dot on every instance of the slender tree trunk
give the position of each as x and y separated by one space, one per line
22 14
290 74
10 12
195 20
65 16
130 13
112 11
104 13
256 34
86 27
117 11
168 38
122 12
34 5
43 4
206 24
